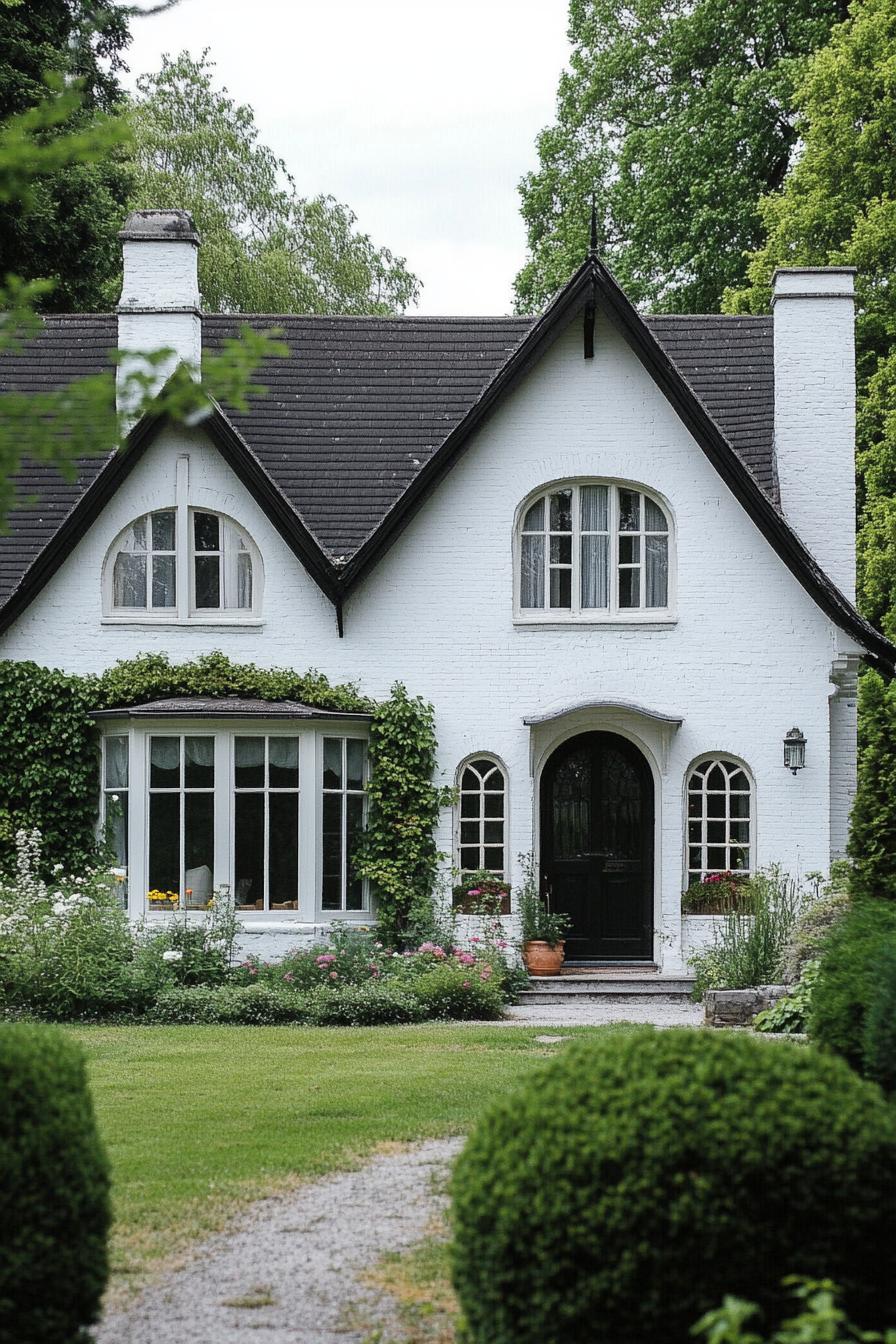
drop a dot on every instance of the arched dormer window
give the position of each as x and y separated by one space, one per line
159 568
593 550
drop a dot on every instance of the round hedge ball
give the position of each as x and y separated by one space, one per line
623 1190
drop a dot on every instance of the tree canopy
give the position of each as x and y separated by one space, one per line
838 207
264 248
677 114
64 229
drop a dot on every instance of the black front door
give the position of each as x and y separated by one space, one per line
597 847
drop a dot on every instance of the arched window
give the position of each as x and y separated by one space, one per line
719 818
481 825
593 550
156 567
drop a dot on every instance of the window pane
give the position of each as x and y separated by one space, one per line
561 511
495 781
594 508
129 580
164 762
494 859
595 571
740 859
283 878
469 804
629 550
715 804
331 896
532 572
629 587
716 779
248 762
208 581
740 832
469 859
354 757
561 588
654 518
206 532
354 890
629 511
716 832
135 537
494 832
657 576
244 581
117 827
163 530
740 805
561 550
199 762
199 847
116 763
283 762
469 832
534 519
163 581
248 846
716 859
164 841
332 762
494 804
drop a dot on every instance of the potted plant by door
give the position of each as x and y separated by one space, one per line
541 929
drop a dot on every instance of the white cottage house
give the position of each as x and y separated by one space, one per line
615 552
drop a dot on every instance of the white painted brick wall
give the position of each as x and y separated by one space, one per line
749 656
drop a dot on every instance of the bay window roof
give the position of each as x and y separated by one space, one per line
226 707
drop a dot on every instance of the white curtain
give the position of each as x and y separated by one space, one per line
532 571
129 580
249 752
199 751
595 570
284 753
164 581
164 752
657 589
244 581
116 762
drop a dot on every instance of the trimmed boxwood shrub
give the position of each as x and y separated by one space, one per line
54 1190
625 1189
846 978
370 1005
449 992
879 1036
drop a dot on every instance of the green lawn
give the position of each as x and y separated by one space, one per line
199 1119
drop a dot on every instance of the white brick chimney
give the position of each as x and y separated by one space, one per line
815 412
159 305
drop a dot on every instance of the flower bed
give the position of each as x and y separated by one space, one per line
68 952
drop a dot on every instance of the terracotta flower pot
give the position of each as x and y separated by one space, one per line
542 959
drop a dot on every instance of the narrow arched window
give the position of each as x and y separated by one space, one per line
483 797
593 550
719 818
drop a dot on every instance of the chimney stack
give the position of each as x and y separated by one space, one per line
815 412
159 305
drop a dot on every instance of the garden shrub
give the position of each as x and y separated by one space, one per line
748 947
460 993
227 1005
846 978
370 1005
622 1191
790 1014
819 1319
812 927
54 1190
879 1036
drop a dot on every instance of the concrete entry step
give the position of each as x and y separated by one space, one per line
605 986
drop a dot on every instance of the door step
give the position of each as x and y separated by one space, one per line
606 986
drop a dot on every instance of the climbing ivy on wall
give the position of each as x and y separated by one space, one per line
49 761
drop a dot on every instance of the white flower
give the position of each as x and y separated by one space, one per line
171 955
115 798
57 867
59 908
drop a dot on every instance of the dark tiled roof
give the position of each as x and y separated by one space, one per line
224 707
361 404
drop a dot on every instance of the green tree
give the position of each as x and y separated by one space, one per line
64 230
264 248
677 114
838 207
872 840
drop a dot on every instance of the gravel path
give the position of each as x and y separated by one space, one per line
290 1270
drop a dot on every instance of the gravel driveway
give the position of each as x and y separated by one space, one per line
290 1270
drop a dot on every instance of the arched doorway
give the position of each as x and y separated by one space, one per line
597 846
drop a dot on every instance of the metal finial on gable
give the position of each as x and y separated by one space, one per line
592 250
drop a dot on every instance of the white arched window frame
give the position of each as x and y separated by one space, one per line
182 564
720 817
481 817
594 550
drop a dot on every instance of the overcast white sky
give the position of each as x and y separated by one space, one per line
420 116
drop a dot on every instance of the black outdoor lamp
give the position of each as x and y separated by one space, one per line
794 750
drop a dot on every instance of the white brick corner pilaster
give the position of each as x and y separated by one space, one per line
844 721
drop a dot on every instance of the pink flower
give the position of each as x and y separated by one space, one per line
476 891
334 975
466 984
475 940
253 970
289 977
466 959
501 944
485 973
325 960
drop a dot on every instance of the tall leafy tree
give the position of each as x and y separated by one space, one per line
63 229
677 114
265 248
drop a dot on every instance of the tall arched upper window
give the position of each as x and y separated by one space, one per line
719 818
593 550
481 824
159 567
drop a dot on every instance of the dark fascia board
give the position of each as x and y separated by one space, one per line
594 284
235 452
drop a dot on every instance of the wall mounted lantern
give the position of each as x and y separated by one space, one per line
794 750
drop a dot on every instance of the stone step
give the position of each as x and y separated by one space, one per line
561 989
